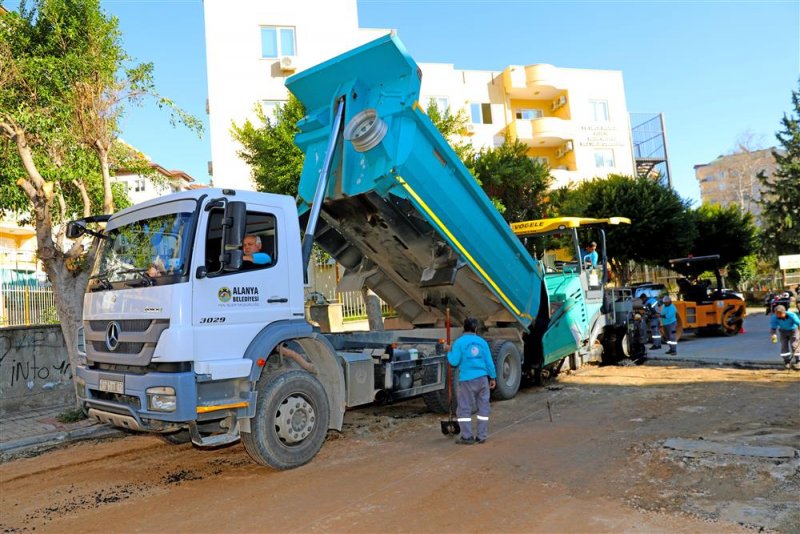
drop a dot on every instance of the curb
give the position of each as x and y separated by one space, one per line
743 364
54 438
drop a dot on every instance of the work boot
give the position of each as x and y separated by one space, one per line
671 351
787 362
479 440
796 366
464 441
655 347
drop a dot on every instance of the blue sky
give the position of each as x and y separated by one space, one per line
715 69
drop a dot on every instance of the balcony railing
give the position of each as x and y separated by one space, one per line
542 132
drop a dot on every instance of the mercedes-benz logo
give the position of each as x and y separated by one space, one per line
112 335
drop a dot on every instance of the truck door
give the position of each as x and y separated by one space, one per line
231 307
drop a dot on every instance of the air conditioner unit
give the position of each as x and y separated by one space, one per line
469 129
558 102
288 63
560 152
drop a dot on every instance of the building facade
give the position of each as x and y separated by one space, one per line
141 188
251 50
574 119
732 179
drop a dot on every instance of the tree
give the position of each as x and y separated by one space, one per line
726 231
275 161
64 81
780 196
513 180
453 127
729 232
661 226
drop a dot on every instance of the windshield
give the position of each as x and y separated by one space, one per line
146 250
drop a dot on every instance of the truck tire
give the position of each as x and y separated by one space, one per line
437 401
176 438
508 364
291 420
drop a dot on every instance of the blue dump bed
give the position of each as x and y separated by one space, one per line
401 212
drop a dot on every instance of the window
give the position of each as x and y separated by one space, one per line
604 158
269 107
541 160
277 41
599 110
528 114
442 103
139 184
481 113
261 225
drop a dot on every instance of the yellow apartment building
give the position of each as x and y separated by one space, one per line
575 120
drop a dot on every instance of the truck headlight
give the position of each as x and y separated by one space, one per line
161 399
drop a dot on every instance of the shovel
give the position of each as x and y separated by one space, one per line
449 427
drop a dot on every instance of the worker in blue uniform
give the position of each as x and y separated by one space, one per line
590 257
654 319
476 377
669 321
787 323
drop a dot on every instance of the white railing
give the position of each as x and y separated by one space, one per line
27 304
353 306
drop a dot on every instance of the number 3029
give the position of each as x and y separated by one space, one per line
212 320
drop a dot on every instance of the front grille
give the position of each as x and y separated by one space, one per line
127 325
122 348
137 340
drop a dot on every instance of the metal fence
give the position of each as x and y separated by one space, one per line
355 309
27 304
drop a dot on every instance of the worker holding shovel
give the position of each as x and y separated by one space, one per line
471 355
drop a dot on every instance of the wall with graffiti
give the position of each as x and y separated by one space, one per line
34 369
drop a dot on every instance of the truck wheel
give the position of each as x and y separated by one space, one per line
437 401
291 420
176 438
508 364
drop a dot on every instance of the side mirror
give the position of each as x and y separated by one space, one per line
233 228
75 229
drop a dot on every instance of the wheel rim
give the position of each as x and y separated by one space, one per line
508 372
295 419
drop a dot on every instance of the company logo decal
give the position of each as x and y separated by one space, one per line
239 296
224 294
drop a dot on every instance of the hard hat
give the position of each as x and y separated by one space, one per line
666 299
780 308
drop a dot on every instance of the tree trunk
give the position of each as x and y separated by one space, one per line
68 290
373 305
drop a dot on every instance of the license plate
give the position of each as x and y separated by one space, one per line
112 386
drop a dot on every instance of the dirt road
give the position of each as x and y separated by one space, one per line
600 465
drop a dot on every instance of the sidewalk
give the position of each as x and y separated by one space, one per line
33 429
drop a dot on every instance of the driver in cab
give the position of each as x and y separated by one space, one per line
253 257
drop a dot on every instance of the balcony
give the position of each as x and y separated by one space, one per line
542 132
533 82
